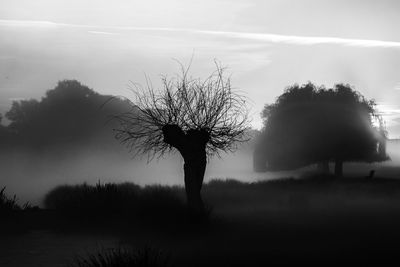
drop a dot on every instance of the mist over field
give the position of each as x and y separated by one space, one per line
30 175
68 137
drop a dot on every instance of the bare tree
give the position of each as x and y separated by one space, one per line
198 118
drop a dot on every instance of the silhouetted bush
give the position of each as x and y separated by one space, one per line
120 257
127 199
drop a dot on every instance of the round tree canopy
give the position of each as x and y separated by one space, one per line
308 125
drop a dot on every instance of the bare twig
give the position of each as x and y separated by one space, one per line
211 105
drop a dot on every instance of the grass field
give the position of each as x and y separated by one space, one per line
319 220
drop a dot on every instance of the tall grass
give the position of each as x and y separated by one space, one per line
88 197
163 205
8 204
120 257
108 201
313 193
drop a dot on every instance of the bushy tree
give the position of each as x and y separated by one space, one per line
197 118
309 124
70 113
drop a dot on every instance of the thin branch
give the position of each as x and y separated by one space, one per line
211 105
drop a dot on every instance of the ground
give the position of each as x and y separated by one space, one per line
315 220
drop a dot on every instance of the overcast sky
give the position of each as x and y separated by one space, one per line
267 45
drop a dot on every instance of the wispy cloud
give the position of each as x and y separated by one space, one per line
101 32
263 37
29 23
305 40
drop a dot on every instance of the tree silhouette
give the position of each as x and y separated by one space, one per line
196 117
71 113
308 125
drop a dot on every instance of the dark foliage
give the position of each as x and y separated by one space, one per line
123 257
71 113
311 219
308 125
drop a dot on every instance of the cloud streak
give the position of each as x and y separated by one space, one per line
305 40
29 23
103 33
263 37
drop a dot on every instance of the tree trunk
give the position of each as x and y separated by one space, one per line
339 168
192 146
194 176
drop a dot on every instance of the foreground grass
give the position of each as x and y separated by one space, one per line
311 193
109 197
127 202
229 199
320 220
307 194
123 257
10 204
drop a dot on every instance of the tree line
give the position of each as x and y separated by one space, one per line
70 113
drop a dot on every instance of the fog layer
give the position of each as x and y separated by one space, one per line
30 175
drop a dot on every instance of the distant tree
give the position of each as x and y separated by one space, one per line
23 115
196 117
309 125
2 130
70 113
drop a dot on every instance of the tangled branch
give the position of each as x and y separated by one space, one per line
192 104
